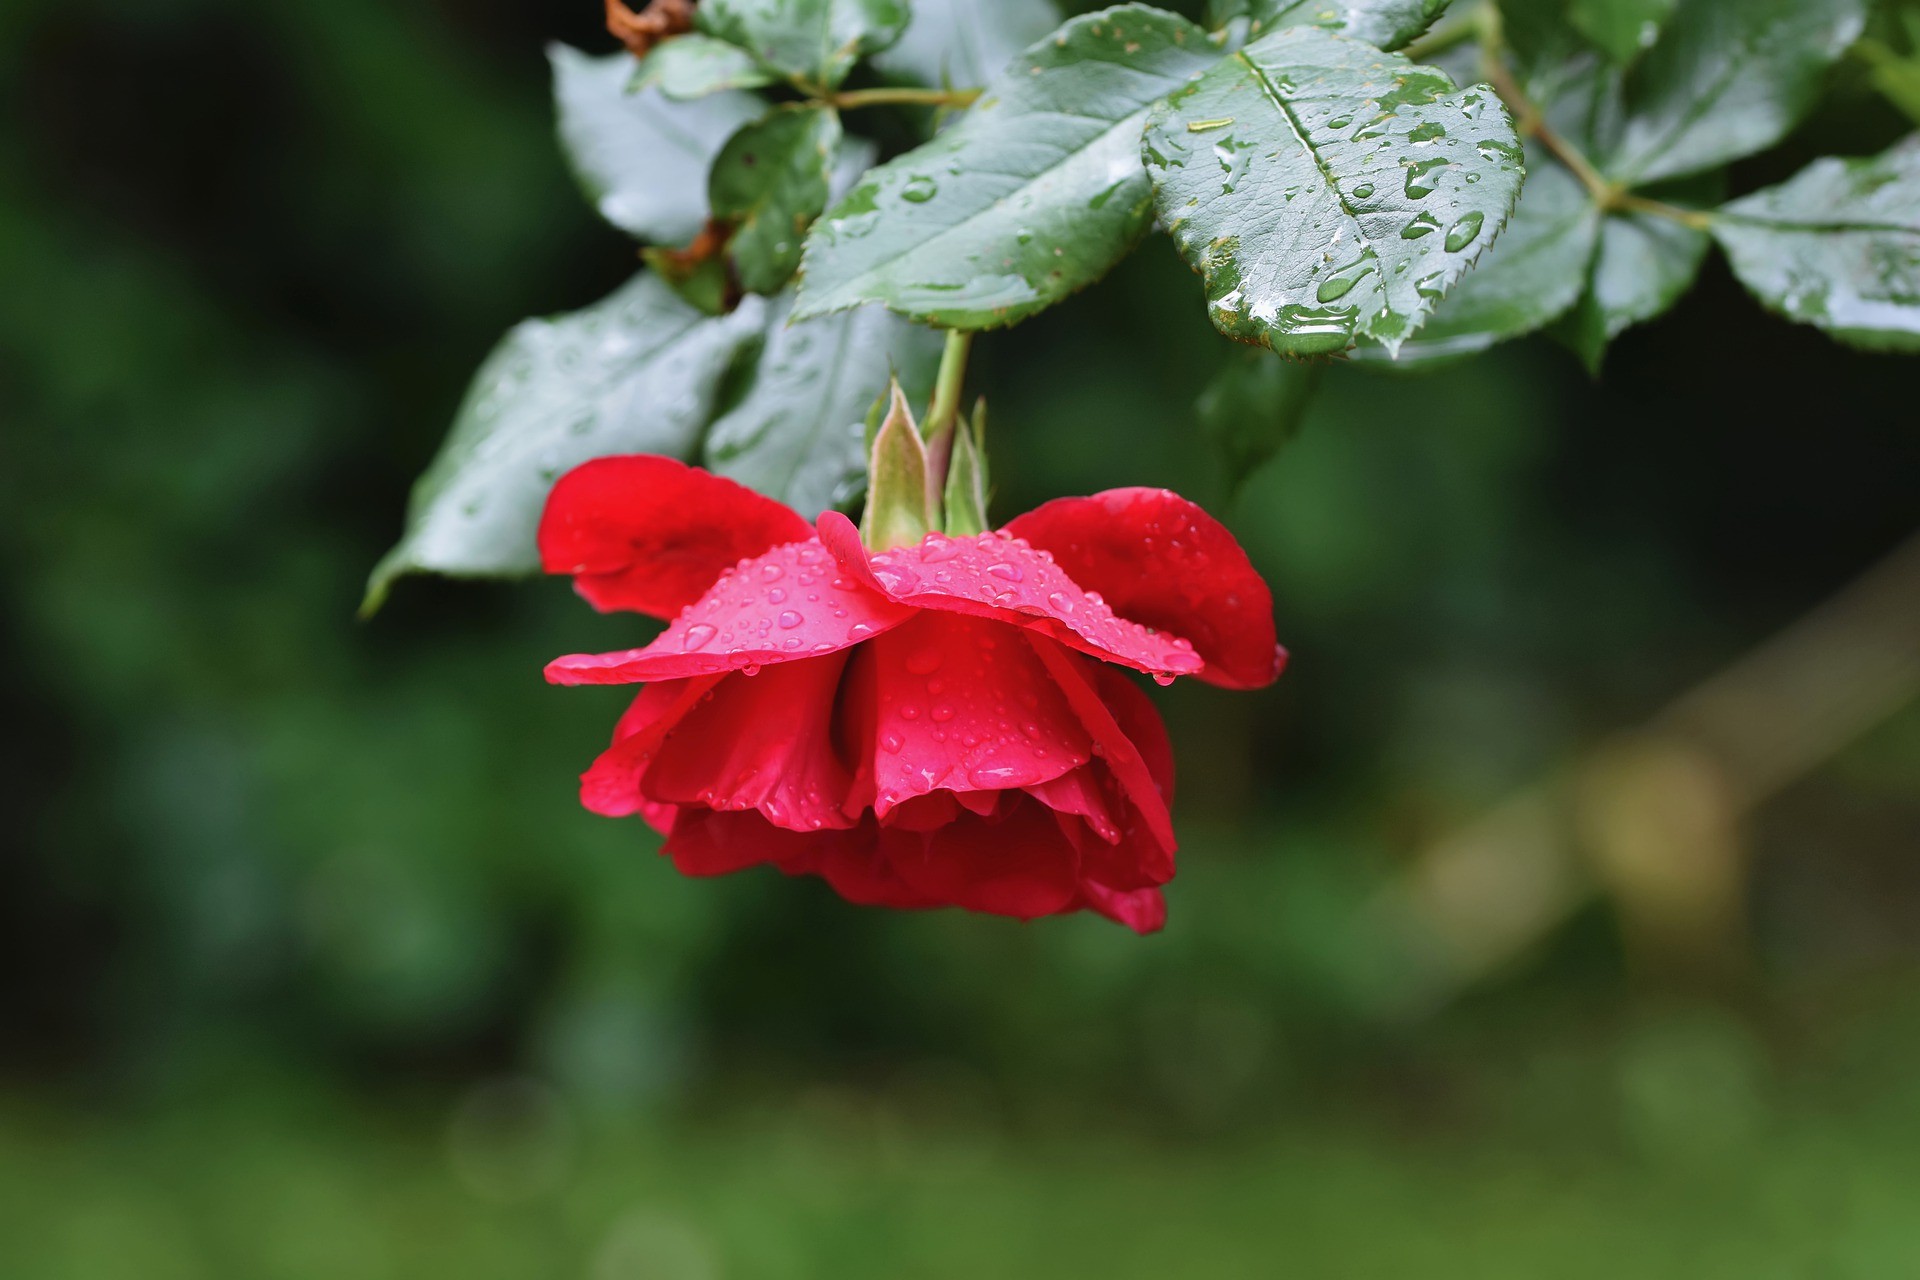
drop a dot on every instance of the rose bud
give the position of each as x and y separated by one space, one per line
937 724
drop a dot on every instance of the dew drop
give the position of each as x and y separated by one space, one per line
919 189
923 661
1163 678
1006 572
698 636
1464 232
941 712
788 619
771 573
775 595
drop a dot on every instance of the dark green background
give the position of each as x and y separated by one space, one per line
310 965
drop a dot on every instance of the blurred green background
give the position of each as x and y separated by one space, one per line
311 966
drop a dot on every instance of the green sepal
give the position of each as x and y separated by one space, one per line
966 499
899 507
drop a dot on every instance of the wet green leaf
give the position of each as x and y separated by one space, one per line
693 66
1327 191
1526 279
1641 267
1837 246
965 43
641 158
1385 24
770 181
636 372
816 41
1032 194
1727 78
796 433
1625 29
1254 406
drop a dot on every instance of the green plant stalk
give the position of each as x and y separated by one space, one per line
1530 122
944 411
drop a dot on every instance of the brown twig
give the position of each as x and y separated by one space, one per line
641 31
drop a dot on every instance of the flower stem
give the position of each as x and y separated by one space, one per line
944 413
903 96
945 409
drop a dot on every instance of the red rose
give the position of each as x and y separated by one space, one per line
922 726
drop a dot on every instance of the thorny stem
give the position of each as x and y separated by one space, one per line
1530 122
906 96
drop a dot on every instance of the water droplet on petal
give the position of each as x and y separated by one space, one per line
1163 678
923 661
941 712
771 573
788 619
698 636
1006 572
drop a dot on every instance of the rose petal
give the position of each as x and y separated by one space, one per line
995 576
1017 865
761 742
706 843
1142 910
1163 561
790 602
651 534
611 785
1076 795
1123 758
963 705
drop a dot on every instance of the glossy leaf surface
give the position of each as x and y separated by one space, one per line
1837 246
1727 78
1625 29
796 434
635 373
770 181
1385 24
641 157
1526 279
693 66
817 41
1034 193
965 43
1641 267
1327 191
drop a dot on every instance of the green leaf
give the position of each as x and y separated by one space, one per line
965 42
1642 266
1836 246
1254 406
693 66
1327 191
1525 280
1032 194
816 41
641 158
636 372
1727 78
1624 29
1385 24
770 181
796 434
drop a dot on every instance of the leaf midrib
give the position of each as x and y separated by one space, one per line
1300 135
